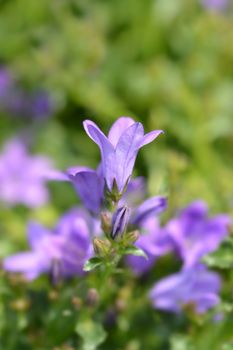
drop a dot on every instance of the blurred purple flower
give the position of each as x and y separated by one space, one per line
215 4
31 106
153 241
61 252
23 176
194 234
20 103
119 150
151 206
5 84
41 106
197 287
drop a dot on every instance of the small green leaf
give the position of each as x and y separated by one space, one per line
132 250
92 333
92 263
222 258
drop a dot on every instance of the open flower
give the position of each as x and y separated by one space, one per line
196 287
119 150
194 234
23 176
61 252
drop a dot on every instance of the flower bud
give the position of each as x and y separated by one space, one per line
101 246
132 236
106 222
92 297
120 221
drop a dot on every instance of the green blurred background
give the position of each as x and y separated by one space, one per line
167 63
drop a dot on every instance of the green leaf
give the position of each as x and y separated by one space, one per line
180 342
92 263
223 258
92 333
132 250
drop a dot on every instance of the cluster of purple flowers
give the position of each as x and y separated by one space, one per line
17 102
117 211
23 176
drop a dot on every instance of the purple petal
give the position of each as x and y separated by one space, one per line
197 286
126 153
28 263
56 176
152 206
106 149
36 233
135 193
94 132
90 188
148 138
196 210
118 128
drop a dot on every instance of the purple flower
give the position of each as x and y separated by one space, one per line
40 106
23 176
194 234
61 252
20 103
217 5
119 150
197 286
153 241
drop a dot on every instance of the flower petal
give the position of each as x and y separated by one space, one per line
118 128
28 263
90 188
36 233
152 206
126 153
148 138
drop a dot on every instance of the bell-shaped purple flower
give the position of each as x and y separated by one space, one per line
23 176
119 150
120 221
196 287
194 234
61 252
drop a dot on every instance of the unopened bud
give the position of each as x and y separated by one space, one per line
92 297
120 221
101 246
132 237
77 302
20 304
53 295
106 222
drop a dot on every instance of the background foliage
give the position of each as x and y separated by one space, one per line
169 65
